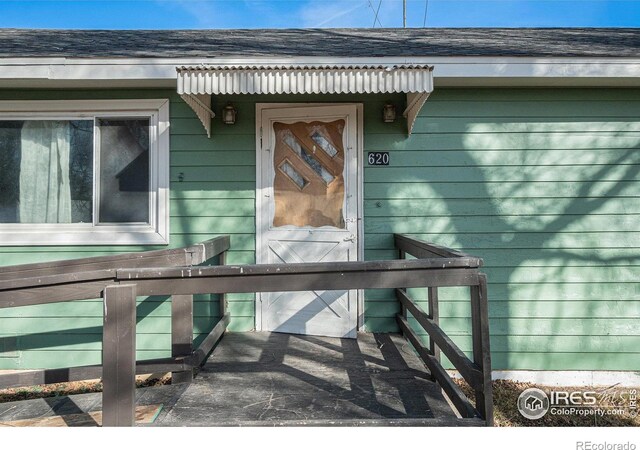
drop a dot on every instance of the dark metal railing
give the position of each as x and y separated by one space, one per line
168 275
476 373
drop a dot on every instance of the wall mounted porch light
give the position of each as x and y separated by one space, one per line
389 113
229 114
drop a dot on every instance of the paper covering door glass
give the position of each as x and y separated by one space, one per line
308 186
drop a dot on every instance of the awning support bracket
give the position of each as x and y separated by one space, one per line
201 105
415 102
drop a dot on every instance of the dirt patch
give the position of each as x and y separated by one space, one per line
76 387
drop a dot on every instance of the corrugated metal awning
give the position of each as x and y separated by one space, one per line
197 83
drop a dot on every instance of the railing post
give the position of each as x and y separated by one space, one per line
222 260
434 314
403 310
181 334
481 347
119 356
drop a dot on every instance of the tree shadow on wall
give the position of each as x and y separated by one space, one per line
556 223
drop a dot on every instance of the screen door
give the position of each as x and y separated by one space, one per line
308 212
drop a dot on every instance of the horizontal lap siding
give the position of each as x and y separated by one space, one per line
542 184
215 197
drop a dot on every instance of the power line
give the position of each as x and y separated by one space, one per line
376 13
376 17
426 8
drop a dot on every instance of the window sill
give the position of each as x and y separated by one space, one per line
107 235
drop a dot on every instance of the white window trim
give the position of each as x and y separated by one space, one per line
155 233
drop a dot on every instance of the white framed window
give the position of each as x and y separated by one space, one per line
84 172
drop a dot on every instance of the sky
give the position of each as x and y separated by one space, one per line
163 14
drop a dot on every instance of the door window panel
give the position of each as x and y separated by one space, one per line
311 161
324 143
309 187
292 173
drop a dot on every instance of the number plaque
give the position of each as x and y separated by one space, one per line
378 158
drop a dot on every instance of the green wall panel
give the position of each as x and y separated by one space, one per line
543 184
215 197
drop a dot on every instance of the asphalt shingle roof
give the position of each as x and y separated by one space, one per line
379 42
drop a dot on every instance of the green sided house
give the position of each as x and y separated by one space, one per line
518 146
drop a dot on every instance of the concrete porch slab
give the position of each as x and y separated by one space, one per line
273 379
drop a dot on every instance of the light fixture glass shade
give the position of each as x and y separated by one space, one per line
389 113
229 114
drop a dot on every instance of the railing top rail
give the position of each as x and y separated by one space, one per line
424 249
302 276
82 280
295 268
59 279
248 278
192 254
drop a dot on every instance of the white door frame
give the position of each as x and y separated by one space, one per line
359 186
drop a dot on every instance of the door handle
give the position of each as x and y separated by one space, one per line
351 238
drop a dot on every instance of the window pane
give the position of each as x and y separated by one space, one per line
81 171
293 174
309 187
46 171
124 170
10 171
311 161
324 144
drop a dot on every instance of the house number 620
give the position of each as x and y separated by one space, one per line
378 158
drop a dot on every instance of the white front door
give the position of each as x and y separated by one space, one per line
307 211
